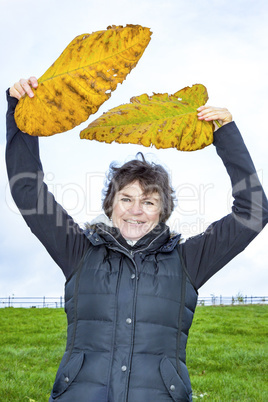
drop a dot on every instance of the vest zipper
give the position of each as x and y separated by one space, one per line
132 331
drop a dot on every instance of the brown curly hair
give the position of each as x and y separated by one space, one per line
151 177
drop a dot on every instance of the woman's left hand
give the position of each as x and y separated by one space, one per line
211 113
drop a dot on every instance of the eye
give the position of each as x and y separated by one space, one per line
125 199
146 202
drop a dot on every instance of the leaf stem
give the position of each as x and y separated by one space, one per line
218 124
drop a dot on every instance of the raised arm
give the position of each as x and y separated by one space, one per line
207 253
62 237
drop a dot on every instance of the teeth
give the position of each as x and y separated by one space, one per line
132 221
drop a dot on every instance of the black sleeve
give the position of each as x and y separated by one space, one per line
208 252
61 236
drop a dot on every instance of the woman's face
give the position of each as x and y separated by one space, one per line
135 214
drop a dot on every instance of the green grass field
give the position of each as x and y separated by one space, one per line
227 353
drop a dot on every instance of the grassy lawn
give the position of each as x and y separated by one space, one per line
227 353
32 344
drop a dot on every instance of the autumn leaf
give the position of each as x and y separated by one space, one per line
81 79
161 120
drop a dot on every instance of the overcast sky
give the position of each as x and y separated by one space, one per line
221 44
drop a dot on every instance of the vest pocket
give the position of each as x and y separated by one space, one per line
173 381
67 374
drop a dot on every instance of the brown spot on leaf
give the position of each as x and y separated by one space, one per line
103 76
100 34
72 89
83 77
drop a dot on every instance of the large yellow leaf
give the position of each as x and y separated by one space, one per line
161 120
81 79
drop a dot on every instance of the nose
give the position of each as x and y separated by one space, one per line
136 207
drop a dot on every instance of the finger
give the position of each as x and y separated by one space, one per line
33 81
215 126
223 115
19 88
26 87
202 108
14 93
204 111
214 113
207 109
223 118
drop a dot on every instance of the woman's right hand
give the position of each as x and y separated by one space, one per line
23 87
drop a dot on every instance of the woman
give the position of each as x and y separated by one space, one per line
131 286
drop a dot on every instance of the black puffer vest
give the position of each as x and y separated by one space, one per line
129 312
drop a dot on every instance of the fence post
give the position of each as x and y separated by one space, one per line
44 301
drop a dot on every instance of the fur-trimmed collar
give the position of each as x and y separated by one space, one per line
103 221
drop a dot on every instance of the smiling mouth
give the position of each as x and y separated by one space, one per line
132 221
